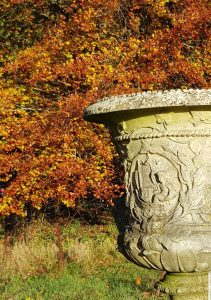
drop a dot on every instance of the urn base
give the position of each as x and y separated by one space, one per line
187 286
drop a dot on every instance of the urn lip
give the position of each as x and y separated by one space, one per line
146 100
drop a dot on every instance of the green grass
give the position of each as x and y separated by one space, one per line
92 267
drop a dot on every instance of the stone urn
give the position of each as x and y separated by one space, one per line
164 142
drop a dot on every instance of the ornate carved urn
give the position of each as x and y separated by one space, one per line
164 141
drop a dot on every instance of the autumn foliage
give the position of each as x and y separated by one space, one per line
57 57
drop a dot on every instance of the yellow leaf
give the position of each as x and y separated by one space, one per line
138 281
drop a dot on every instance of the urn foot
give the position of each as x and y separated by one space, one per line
187 286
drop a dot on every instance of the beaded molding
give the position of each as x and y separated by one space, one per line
172 133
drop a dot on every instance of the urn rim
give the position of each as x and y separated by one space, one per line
148 100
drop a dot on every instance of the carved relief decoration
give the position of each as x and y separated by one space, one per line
168 182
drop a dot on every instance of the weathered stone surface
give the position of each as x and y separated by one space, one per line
166 152
167 160
185 286
151 99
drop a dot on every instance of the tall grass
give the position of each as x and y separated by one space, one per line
72 262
